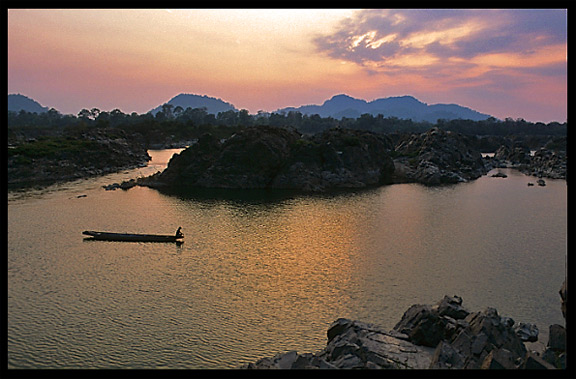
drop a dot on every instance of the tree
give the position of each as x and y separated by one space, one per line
178 111
166 111
94 112
244 118
116 117
84 114
228 118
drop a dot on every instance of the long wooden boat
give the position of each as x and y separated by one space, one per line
106 236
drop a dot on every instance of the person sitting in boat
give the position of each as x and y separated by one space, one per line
179 233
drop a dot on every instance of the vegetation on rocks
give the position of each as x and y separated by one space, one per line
267 157
56 158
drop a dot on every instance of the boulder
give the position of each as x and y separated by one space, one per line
514 155
452 306
428 325
534 362
446 357
527 332
557 338
422 324
338 327
548 162
499 359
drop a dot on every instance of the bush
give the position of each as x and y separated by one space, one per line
52 147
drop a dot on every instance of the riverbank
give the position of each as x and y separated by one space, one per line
50 160
276 158
441 336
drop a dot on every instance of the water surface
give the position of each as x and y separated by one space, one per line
266 272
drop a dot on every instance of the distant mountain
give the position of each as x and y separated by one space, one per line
406 107
212 104
17 102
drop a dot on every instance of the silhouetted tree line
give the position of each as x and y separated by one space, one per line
178 124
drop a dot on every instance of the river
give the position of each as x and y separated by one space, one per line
266 272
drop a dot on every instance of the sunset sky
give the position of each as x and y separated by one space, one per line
507 63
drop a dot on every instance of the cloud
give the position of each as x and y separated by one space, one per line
501 61
385 38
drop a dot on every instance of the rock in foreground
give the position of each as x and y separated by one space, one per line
440 336
354 344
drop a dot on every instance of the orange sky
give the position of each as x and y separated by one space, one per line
507 63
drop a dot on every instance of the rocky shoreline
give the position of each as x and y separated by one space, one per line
52 160
441 336
548 161
265 157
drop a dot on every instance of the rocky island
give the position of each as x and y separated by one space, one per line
441 336
278 158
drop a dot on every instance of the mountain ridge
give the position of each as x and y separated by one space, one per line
338 107
18 102
187 100
406 107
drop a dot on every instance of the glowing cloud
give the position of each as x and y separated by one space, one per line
441 51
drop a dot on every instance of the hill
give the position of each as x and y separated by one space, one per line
405 107
212 104
17 102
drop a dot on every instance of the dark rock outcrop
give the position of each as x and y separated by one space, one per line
437 157
440 336
547 162
428 325
353 345
527 332
487 332
268 157
516 154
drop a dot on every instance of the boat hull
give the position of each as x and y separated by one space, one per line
106 236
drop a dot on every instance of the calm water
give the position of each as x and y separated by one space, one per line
265 273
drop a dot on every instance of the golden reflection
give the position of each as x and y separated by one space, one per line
285 254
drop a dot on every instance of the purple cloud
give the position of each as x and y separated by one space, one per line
379 37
